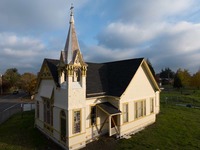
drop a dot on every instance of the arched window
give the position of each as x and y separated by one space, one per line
48 113
38 109
63 126
76 75
76 121
65 76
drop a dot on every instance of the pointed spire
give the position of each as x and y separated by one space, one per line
71 45
71 14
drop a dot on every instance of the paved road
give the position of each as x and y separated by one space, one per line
5 106
9 101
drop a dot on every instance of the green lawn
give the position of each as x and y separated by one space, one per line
181 96
177 127
18 133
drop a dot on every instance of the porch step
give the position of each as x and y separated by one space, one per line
126 136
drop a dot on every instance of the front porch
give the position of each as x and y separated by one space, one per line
112 116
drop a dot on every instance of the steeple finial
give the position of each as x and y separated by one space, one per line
71 45
71 14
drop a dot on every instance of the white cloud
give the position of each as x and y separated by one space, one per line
156 30
147 11
14 46
179 38
102 54
22 52
122 35
42 15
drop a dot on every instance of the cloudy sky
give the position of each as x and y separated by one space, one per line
167 32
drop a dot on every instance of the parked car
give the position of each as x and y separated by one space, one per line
15 92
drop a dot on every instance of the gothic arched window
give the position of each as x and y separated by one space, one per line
63 126
48 113
77 75
38 110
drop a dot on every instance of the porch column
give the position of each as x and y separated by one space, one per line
109 121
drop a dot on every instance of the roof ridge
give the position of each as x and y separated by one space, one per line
51 59
123 60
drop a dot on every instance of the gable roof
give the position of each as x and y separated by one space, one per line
52 64
111 78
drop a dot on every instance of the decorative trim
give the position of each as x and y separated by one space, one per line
103 96
69 69
96 93
84 70
78 134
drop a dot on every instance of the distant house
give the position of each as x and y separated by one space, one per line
77 101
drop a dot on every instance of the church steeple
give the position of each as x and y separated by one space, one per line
72 64
71 45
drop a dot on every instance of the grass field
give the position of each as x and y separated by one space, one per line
177 127
18 133
181 96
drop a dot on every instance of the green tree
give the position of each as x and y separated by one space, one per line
11 79
184 77
167 73
28 82
195 81
177 82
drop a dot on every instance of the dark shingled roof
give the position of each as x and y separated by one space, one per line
52 64
111 78
96 80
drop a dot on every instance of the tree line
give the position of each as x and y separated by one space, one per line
181 78
12 81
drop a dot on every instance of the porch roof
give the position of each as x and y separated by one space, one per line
108 108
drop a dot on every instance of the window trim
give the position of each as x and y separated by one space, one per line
143 109
73 123
152 107
125 113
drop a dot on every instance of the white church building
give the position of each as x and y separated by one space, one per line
77 101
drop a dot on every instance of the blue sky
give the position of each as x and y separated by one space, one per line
167 32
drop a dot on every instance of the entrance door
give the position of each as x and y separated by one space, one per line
114 125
